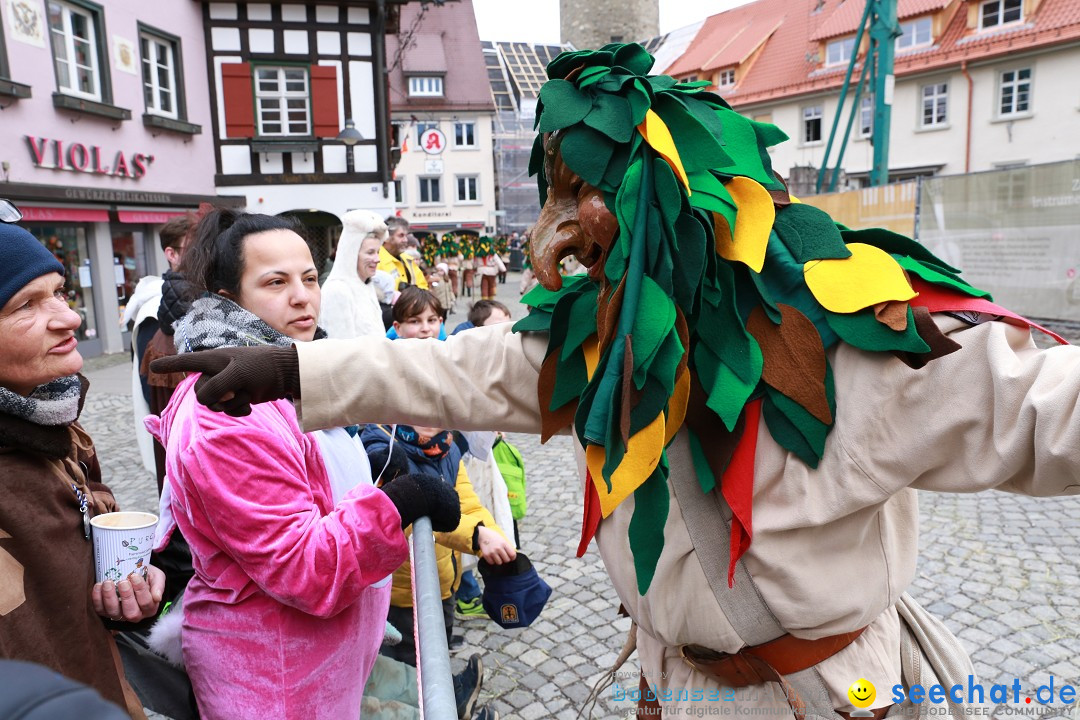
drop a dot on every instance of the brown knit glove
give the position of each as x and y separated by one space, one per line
234 379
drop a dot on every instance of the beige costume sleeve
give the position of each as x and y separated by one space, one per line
481 379
999 413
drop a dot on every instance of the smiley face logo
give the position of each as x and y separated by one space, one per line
862 693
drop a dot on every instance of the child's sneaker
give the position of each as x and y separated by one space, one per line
467 686
486 713
470 608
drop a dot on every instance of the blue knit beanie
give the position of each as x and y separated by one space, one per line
22 258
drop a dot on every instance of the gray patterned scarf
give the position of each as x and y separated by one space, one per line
215 321
54 403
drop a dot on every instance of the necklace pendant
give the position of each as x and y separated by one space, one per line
86 523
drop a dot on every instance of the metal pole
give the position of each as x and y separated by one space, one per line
432 655
855 110
883 34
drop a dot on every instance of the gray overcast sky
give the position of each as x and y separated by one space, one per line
538 20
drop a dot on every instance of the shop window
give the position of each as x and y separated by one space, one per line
1014 92
916 33
76 32
465 134
430 191
812 124
935 105
68 243
287 101
161 76
468 188
994 13
426 86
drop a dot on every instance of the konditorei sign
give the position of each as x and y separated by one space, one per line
51 154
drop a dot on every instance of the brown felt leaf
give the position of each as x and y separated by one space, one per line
706 424
607 316
892 314
794 358
940 345
552 421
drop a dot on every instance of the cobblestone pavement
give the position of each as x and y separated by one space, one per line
1000 569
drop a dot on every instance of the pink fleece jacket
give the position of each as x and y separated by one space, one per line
280 619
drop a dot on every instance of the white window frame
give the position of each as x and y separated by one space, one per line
1017 85
468 128
1002 7
839 52
809 114
939 96
458 198
423 127
725 78
426 86
281 96
150 62
399 191
866 116
437 179
911 32
66 36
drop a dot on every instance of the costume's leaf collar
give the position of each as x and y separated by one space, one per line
719 291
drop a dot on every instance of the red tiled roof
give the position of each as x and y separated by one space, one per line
788 65
845 19
425 54
453 26
729 38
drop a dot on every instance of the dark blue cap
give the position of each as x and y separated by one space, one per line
514 594
22 258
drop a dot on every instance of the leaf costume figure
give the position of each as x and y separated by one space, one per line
755 394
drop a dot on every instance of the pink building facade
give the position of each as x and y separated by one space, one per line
105 135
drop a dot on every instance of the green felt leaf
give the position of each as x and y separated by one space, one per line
895 244
634 58
818 235
616 169
668 193
565 63
655 318
938 278
640 100
646 531
751 292
536 167
783 276
610 115
708 118
582 322
698 149
535 321
626 204
784 431
768 133
586 152
564 105
661 82
570 380
862 330
812 431
693 85
692 242
591 75
701 464
740 143
727 394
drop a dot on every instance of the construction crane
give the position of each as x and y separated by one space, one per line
880 17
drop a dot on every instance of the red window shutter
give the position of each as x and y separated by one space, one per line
324 101
239 100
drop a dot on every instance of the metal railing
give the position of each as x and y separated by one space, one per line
435 681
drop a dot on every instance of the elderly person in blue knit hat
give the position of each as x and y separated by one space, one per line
51 611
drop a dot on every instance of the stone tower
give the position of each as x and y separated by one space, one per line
589 24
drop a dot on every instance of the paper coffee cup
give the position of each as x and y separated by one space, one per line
122 544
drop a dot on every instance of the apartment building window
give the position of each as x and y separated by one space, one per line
839 52
399 191
994 13
425 86
866 116
812 124
726 78
465 134
161 89
430 191
423 127
1014 92
935 105
75 33
282 101
468 188
916 33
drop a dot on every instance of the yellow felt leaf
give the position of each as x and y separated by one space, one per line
676 412
754 217
846 285
641 458
591 349
794 199
656 133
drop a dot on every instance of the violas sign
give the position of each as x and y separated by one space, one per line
77 157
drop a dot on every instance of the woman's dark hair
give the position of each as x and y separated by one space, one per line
214 260
482 309
413 301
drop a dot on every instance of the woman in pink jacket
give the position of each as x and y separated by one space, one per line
292 544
